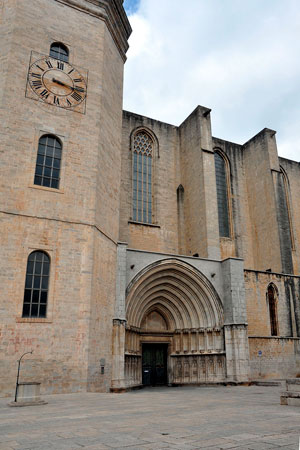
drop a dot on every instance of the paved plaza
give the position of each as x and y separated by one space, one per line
184 418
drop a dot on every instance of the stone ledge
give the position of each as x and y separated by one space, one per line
20 404
122 390
290 394
290 398
293 381
267 382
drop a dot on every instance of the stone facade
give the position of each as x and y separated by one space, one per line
77 224
118 286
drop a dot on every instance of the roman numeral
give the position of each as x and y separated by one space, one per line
39 67
49 64
78 80
72 70
60 65
37 84
36 75
56 100
69 103
79 89
76 96
44 93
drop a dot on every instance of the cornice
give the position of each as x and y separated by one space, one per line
113 13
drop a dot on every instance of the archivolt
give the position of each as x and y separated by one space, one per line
179 291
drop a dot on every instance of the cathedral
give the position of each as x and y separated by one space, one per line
133 252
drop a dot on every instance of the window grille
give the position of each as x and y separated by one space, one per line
59 51
47 170
142 177
36 285
222 196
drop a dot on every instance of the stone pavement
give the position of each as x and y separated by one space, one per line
186 418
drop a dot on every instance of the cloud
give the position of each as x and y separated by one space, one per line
239 58
131 6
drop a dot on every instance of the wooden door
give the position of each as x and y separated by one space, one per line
154 364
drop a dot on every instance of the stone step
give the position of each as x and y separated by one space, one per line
290 394
267 382
290 398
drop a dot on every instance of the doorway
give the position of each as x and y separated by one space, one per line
154 364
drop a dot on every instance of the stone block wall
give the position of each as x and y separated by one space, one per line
280 355
292 171
199 183
186 218
260 157
240 243
77 224
288 307
162 234
59 342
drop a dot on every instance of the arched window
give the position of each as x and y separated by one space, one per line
47 170
59 51
272 302
287 243
36 285
222 195
142 165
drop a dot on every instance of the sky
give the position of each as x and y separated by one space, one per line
238 57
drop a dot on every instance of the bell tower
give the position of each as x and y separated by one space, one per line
61 88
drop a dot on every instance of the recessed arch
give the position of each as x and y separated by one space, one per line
182 291
272 300
185 316
155 320
223 185
150 133
144 148
287 206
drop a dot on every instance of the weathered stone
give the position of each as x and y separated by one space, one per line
175 281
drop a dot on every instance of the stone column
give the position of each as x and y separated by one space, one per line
235 321
237 352
118 383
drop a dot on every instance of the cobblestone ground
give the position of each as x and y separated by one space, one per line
186 418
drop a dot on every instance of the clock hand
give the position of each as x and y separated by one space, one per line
80 89
61 83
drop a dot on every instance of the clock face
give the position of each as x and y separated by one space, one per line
57 82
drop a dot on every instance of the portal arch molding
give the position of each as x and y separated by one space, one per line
184 291
171 303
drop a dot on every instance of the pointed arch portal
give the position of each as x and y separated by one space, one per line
172 305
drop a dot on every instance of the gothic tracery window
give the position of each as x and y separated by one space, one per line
36 285
142 166
47 169
222 195
59 51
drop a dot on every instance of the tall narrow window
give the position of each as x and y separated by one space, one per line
142 177
47 170
222 195
272 301
36 285
285 223
59 51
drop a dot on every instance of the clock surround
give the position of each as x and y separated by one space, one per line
57 83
